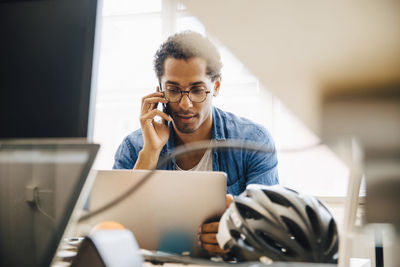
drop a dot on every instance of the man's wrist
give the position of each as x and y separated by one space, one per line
147 159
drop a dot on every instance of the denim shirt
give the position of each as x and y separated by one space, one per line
243 167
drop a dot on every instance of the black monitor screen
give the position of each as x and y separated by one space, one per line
46 55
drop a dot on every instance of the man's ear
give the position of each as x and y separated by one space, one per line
217 85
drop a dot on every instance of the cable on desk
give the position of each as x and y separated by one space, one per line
37 203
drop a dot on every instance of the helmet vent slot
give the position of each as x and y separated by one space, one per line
277 198
332 235
241 240
314 222
297 233
274 244
235 234
248 212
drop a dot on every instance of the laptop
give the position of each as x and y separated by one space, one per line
166 212
40 183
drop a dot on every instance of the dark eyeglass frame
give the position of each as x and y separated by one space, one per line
185 92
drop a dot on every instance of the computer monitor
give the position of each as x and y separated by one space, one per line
39 187
47 58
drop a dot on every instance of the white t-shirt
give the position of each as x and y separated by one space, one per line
205 163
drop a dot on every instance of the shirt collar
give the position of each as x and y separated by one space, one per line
218 128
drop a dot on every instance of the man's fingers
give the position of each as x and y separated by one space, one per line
209 242
208 238
214 249
152 95
151 103
209 227
149 116
229 199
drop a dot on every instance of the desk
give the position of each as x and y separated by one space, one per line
253 264
355 262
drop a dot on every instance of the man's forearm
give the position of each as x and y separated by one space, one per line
147 160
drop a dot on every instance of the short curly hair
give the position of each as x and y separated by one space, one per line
186 45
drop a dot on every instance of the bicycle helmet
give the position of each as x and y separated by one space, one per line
278 224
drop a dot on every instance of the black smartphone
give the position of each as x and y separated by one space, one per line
165 108
166 111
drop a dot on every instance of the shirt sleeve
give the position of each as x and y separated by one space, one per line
262 167
126 156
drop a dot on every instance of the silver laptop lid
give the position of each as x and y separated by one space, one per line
166 211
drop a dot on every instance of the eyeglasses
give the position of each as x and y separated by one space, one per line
196 93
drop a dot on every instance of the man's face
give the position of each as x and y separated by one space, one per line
189 116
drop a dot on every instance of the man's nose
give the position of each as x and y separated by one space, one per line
185 102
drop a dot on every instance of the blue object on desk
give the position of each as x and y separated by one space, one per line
176 242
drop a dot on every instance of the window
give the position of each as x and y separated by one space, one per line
125 70
131 34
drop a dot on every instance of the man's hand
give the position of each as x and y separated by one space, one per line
155 134
207 235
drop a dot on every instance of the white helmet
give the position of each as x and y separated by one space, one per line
280 224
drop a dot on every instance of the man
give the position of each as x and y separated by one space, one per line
188 67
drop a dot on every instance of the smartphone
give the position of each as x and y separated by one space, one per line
166 111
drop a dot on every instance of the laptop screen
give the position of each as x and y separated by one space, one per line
39 187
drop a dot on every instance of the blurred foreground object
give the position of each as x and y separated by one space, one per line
109 244
302 51
43 182
279 224
107 225
336 66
